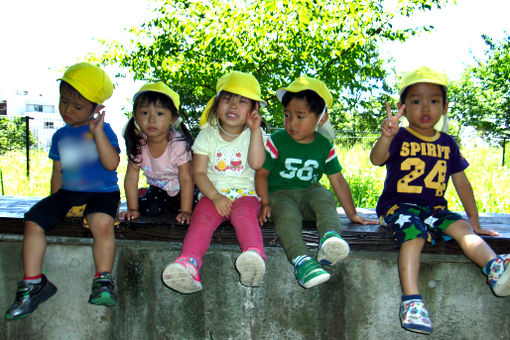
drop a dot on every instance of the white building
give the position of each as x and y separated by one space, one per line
42 108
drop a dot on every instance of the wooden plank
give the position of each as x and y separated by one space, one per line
167 229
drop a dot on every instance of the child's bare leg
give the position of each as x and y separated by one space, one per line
34 247
101 226
409 265
473 246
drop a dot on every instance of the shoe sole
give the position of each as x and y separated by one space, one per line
49 290
177 277
104 299
333 251
252 268
419 329
502 288
316 281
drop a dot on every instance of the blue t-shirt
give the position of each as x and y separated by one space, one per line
82 170
418 169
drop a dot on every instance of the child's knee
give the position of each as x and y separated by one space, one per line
100 223
458 229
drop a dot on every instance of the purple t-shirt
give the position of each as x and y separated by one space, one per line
418 169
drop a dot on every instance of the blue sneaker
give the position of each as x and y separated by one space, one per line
499 275
332 249
29 296
414 316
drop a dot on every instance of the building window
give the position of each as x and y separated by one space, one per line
49 125
3 107
38 108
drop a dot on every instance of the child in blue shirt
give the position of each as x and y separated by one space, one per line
85 154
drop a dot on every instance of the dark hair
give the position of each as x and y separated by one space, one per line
403 96
214 106
66 87
133 135
315 101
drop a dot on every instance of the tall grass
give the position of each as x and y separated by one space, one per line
490 180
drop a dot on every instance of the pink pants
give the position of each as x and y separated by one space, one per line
205 220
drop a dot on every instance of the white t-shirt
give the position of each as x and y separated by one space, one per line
228 168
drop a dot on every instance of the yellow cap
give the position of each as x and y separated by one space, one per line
308 83
243 84
90 81
424 74
160 87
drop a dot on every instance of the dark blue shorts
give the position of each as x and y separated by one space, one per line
50 210
410 221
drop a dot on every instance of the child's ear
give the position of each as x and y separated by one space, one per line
445 108
324 118
399 105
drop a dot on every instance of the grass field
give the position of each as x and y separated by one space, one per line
490 180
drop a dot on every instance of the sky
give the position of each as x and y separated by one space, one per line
40 38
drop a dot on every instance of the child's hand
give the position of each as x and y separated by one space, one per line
96 121
360 220
265 213
184 217
390 125
129 215
254 120
475 224
222 204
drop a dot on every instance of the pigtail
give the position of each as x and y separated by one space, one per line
133 140
187 134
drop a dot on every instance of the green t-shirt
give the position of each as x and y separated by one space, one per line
293 165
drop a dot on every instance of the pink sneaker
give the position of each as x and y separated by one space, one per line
183 276
251 267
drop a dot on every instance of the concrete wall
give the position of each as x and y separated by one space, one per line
359 302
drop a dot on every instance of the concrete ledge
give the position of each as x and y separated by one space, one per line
360 301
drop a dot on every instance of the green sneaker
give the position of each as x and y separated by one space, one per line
332 249
309 272
102 291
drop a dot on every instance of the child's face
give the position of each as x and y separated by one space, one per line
424 107
154 119
75 110
300 122
233 111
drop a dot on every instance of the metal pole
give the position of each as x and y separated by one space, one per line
27 143
504 148
2 182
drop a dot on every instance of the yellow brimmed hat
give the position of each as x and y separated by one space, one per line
243 84
308 83
424 74
90 81
161 88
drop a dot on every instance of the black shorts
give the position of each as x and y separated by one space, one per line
50 210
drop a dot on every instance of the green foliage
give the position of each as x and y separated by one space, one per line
490 180
190 44
13 134
481 98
